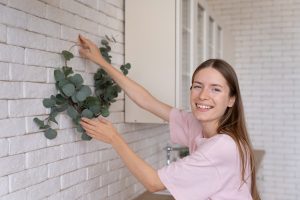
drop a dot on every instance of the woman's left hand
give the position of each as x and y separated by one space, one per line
100 129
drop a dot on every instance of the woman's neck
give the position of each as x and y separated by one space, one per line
209 129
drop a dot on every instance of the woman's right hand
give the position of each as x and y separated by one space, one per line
90 51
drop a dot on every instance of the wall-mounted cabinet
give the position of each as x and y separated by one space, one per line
165 41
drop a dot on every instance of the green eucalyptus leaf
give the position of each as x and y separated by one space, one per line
74 99
68 89
58 75
127 65
48 103
38 122
80 96
62 107
67 55
87 113
77 80
79 129
60 99
104 42
84 136
67 70
62 83
96 109
72 112
105 112
50 133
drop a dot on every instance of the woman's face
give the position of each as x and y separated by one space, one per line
209 95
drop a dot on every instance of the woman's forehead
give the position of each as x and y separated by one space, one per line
209 76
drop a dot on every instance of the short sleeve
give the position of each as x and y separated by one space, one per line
192 178
178 124
184 128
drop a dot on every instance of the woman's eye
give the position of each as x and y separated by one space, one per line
196 86
216 90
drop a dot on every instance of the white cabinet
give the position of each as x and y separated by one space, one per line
165 40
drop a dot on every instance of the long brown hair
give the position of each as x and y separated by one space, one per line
233 121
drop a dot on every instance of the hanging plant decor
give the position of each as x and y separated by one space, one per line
75 98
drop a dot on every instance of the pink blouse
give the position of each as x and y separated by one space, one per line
211 171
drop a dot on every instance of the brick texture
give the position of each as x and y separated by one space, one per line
32 35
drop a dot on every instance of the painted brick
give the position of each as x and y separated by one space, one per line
26 143
56 45
61 167
70 34
87 159
23 38
4 68
38 25
11 53
110 177
39 90
77 64
86 25
2 33
3 148
114 188
27 73
42 58
20 108
87 187
96 170
63 136
42 156
73 178
13 17
12 164
11 90
12 127
3 185
15 195
72 149
27 178
90 3
52 2
31 6
44 189
115 164
65 122
98 194
69 193
60 16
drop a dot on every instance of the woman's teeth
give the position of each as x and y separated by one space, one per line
203 106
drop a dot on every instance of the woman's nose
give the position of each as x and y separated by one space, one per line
203 94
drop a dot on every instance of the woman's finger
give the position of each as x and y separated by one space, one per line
103 120
87 126
89 121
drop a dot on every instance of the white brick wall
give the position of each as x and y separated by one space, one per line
32 34
267 42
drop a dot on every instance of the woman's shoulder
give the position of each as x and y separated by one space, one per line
218 148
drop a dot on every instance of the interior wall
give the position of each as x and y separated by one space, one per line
267 41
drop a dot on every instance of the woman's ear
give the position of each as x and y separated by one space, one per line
231 101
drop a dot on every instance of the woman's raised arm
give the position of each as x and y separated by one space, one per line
136 92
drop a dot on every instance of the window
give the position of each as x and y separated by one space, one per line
210 38
186 53
200 35
219 42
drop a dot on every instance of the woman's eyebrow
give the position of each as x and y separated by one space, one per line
214 84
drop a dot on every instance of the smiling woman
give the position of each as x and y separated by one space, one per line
221 161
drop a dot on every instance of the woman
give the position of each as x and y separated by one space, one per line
221 162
